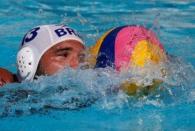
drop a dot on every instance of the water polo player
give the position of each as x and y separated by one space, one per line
46 50
128 47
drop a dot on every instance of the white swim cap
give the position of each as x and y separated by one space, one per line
36 42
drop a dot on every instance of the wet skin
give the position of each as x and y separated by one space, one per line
65 54
6 77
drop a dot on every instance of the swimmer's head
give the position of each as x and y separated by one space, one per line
46 49
127 46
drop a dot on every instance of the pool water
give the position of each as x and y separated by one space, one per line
86 99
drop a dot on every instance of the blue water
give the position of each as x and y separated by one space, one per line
86 99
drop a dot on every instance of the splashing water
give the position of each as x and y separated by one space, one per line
76 89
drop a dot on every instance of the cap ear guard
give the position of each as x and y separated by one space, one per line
26 63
